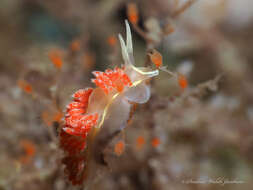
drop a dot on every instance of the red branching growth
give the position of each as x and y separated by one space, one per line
75 168
83 95
74 160
76 122
112 79
79 124
73 135
71 144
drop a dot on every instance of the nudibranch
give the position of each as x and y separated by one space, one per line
106 106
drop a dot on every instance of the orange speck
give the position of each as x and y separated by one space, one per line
132 13
119 85
57 116
75 45
140 141
111 40
168 29
156 58
182 81
45 116
49 117
25 86
29 149
155 142
28 88
89 60
119 148
56 58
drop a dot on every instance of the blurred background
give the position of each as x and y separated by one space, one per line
203 133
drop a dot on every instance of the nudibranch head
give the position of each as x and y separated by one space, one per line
128 57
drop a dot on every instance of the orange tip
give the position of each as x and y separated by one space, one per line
169 29
182 81
25 86
156 58
89 60
55 57
58 116
155 142
29 150
132 13
140 141
111 40
75 45
119 148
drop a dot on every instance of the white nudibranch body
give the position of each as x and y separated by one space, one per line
95 113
